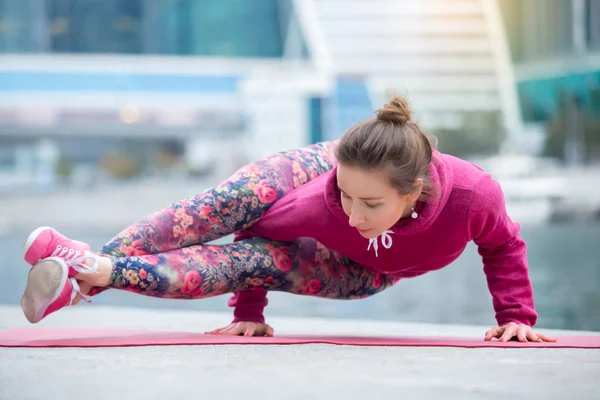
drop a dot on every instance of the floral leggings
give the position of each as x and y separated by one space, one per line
164 254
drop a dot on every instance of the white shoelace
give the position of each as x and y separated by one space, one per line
386 241
72 259
77 289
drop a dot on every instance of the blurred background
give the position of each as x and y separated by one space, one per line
113 109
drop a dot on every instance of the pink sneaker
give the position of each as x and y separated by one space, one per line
47 242
49 289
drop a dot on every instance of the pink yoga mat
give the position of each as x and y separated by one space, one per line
32 337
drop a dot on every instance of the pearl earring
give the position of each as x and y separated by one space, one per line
414 214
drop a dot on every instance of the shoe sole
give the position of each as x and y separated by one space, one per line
31 238
44 284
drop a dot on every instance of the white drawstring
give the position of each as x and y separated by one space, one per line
77 289
73 260
386 241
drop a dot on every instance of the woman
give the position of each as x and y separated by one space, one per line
338 220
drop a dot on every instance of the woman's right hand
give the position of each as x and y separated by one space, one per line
244 328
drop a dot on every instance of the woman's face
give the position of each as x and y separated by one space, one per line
369 200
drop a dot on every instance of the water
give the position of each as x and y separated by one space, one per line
564 264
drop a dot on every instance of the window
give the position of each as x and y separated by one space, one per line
593 24
91 26
15 28
239 28
236 28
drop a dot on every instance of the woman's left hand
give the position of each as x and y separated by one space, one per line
522 332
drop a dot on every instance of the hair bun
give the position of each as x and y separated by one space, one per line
396 111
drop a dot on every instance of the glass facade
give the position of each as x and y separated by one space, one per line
16 34
235 28
593 24
88 26
540 29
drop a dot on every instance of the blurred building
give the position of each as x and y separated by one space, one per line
555 47
221 82
131 78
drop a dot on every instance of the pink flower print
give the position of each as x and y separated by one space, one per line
254 281
204 211
282 261
266 194
271 249
139 246
296 167
150 259
314 286
187 221
192 283
128 250
377 281
143 274
177 231
224 257
132 277
302 177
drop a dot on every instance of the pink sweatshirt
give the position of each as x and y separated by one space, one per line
470 206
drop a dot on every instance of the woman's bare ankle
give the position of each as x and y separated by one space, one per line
101 277
85 289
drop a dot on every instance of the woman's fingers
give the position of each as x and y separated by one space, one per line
522 332
546 338
250 329
510 330
532 336
218 330
493 333
233 329
270 331
244 328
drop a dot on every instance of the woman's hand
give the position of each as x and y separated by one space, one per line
244 328
522 332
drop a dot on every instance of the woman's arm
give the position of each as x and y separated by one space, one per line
249 305
504 255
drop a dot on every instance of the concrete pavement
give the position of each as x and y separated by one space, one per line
285 372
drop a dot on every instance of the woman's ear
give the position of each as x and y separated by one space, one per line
418 189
